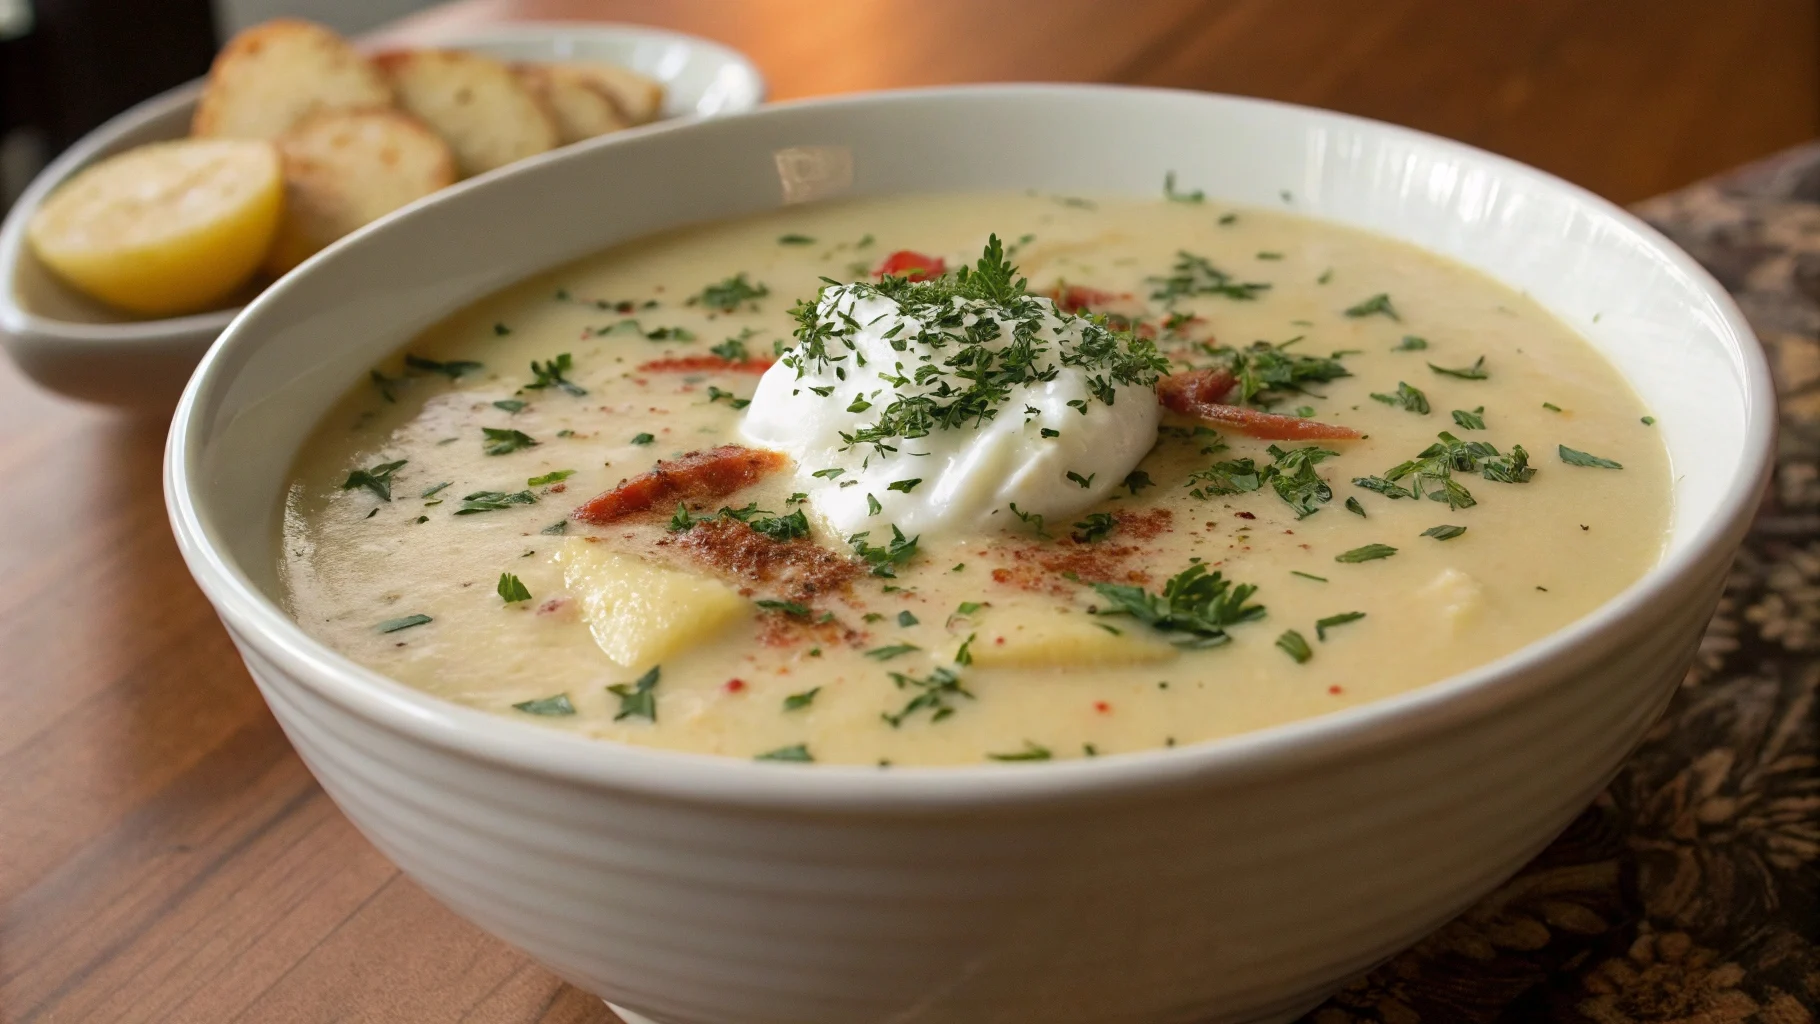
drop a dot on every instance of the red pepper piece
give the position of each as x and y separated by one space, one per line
704 475
911 266
1197 393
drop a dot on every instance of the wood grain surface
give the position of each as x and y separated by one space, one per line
164 856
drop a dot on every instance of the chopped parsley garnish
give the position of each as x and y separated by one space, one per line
972 337
1353 506
795 752
1444 532
1649 421
1321 626
1169 192
906 619
780 528
558 706
791 608
511 589
511 404
1579 458
1474 372
377 479
1097 526
733 350
798 701
1369 552
892 651
501 330
730 294
1551 407
1377 305
1295 645
1234 476
1033 519
1407 398
1201 604
794 239
1137 480
887 558
1031 752
716 394
872 506
1432 472
1474 420
1308 575
394 625
1410 343
1193 275
493 501
553 476
637 699
553 373
500 441
1268 372
904 485
1270 255
1083 481
556 529
932 694
827 474
384 384
642 439
452 369
432 491
1293 477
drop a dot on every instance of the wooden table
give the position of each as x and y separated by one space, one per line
163 854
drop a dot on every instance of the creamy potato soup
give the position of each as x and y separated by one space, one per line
963 478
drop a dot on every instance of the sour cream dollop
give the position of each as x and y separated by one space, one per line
936 409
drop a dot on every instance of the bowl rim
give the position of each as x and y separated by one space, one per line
18 321
258 623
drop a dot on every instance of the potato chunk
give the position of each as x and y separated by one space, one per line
1456 597
1041 638
641 613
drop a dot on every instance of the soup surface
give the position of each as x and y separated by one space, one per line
958 525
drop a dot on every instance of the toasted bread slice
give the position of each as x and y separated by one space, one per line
345 169
583 109
275 74
640 98
479 107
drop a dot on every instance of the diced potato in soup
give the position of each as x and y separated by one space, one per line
1070 478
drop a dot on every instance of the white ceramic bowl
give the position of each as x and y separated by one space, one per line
73 345
1238 880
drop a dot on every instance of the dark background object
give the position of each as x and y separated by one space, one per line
80 62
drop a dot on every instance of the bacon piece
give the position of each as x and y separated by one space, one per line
703 475
705 364
911 266
1197 393
1076 298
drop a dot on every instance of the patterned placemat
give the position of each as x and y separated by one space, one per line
1690 892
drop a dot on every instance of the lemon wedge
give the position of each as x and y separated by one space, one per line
164 229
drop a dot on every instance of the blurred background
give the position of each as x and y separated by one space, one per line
1628 97
68 65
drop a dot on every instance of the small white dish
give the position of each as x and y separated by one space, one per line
78 347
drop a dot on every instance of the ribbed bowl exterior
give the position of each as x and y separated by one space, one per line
1240 880
1212 902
